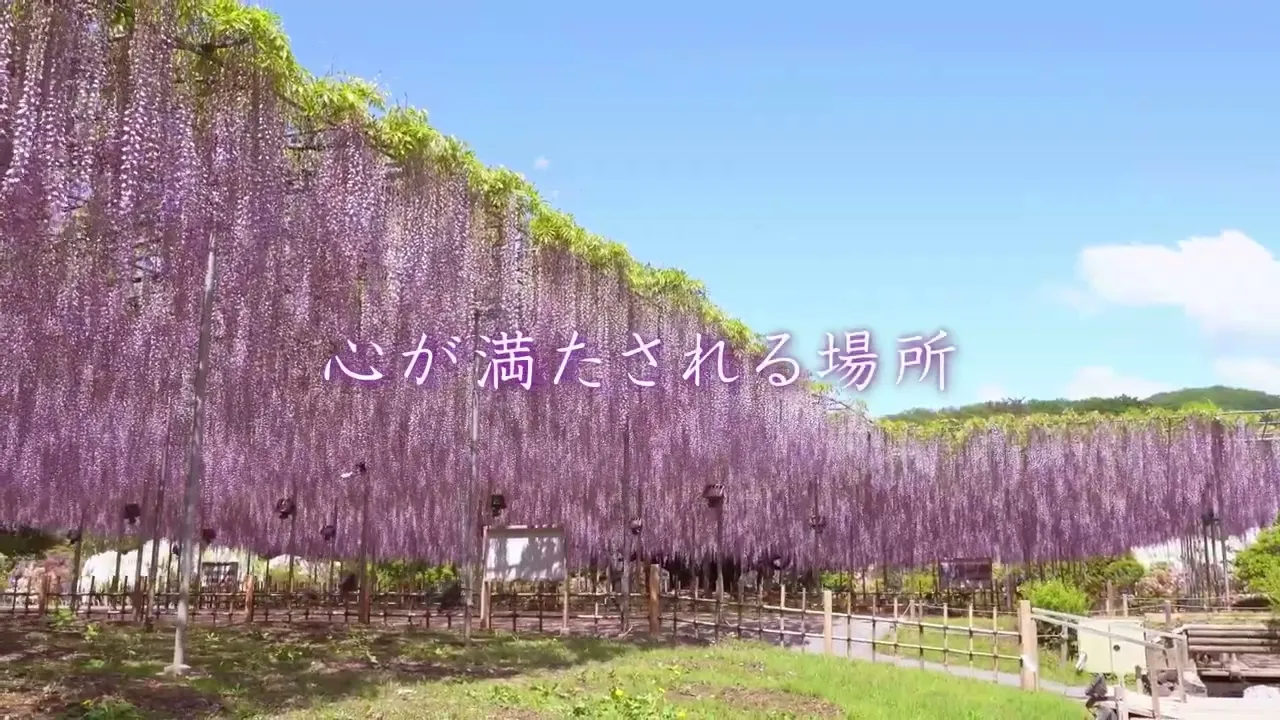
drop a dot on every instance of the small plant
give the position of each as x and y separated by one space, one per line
505 696
620 704
110 708
551 690
286 654
62 619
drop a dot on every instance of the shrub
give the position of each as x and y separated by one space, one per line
1269 587
1056 595
835 581
1258 565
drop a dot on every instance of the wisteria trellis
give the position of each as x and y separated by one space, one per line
122 170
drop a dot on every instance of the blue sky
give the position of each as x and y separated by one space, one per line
825 167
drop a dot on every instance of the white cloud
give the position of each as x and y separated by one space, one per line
1074 297
1101 381
1225 283
992 393
541 163
1250 373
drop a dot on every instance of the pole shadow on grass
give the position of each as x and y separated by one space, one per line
54 670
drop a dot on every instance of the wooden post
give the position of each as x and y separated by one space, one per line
995 644
875 612
1168 614
828 644
75 568
1155 690
804 616
782 623
1027 635
946 620
1124 605
893 626
564 605
42 596
1111 599
848 624
1122 707
741 599
1179 650
248 597
995 639
486 622
655 608
697 606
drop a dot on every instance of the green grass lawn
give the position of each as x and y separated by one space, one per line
957 643
112 673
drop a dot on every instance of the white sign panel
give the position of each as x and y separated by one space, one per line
524 553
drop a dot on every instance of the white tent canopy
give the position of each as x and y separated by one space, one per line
100 569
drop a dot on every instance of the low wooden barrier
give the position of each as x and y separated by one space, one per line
898 628
1216 648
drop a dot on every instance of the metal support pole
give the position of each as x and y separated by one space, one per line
363 613
195 463
625 605
472 478
148 607
115 579
293 528
328 587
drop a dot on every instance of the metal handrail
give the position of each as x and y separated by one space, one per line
1180 651
1077 618
1035 615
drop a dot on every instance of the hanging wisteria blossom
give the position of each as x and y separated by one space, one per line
138 137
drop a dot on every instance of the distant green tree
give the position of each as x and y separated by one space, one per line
1124 573
26 542
399 573
1222 398
1270 587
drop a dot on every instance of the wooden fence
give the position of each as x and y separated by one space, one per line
875 627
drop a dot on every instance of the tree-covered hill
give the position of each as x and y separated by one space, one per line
1224 398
